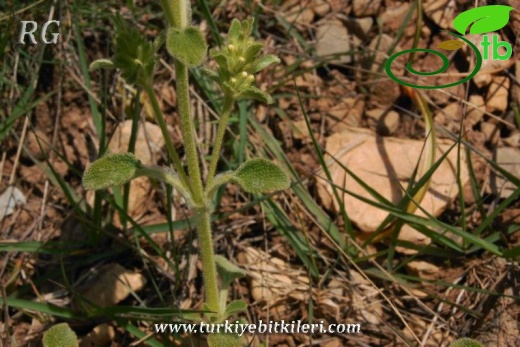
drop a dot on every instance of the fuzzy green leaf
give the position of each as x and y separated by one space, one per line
252 51
247 26
263 62
134 55
221 60
111 170
224 340
235 306
228 271
255 93
261 175
212 75
466 342
234 29
159 41
485 18
101 64
60 335
188 46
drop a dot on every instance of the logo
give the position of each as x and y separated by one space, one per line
485 19
30 32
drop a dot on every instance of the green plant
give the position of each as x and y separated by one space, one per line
237 62
466 342
60 335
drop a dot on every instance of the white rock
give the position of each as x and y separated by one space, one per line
9 199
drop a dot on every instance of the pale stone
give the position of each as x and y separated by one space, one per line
112 285
508 159
101 335
388 124
491 132
148 145
364 8
423 269
295 12
375 113
475 113
332 39
38 145
439 12
359 26
378 162
392 18
513 140
320 7
346 113
496 98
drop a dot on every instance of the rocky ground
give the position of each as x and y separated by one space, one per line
434 289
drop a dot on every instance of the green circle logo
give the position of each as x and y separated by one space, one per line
443 68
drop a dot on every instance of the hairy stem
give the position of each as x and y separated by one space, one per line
181 13
168 10
208 259
179 19
164 129
188 130
221 131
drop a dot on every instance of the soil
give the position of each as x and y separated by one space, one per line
467 294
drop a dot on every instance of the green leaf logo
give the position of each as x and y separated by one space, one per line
260 175
188 46
485 18
111 170
451 45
